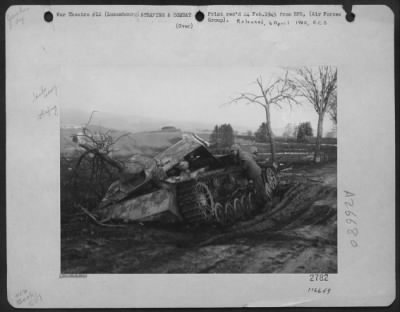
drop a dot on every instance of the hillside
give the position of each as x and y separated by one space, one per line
148 142
152 142
129 122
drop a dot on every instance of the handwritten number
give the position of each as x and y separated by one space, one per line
350 213
349 203
353 231
353 243
319 290
351 221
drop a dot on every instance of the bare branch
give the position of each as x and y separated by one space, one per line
318 86
95 151
101 223
90 118
317 90
248 99
278 92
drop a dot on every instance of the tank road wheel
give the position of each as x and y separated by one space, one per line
268 190
229 212
271 178
238 208
204 200
219 213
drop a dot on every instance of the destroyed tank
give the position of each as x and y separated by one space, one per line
196 187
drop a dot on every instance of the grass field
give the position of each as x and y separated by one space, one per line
152 142
148 143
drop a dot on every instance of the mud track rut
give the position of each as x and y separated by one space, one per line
292 211
304 220
296 233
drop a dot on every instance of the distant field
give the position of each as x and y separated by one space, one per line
152 142
289 152
287 149
148 143
245 139
310 140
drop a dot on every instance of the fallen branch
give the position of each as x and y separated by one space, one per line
315 180
97 221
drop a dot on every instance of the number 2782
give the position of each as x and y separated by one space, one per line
318 277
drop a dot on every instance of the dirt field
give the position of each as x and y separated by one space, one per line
295 233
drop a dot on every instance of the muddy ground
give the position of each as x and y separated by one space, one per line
295 233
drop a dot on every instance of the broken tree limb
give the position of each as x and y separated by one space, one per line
115 163
101 223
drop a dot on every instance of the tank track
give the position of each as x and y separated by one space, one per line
221 196
185 194
211 197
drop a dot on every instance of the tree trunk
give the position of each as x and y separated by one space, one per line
317 153
270 135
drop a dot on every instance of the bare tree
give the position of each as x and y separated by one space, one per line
317 86
98 144
280 91
332 107
97 147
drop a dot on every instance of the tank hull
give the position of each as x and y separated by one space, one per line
208 189
159 205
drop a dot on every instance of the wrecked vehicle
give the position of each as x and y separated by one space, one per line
185 182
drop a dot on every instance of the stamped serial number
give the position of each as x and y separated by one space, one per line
318 277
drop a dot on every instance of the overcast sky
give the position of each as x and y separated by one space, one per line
155 70
180 93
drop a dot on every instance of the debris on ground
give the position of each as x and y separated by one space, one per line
295 233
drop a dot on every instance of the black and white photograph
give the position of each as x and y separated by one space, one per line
200 156
184 174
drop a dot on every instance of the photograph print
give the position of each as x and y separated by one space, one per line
198 169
